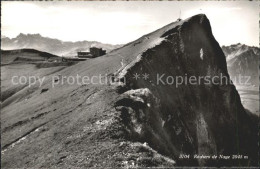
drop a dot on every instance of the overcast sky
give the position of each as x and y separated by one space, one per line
122 22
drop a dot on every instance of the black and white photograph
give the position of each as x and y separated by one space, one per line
129 84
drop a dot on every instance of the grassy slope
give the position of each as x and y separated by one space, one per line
73 125
64 115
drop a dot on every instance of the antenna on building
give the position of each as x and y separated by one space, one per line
179 19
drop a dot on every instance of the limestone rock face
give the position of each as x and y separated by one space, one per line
136 121
197 119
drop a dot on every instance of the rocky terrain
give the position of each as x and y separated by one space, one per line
139 123
53 46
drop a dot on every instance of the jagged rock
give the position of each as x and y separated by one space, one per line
97 125
211 117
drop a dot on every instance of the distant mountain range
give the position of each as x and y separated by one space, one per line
242 60
53 46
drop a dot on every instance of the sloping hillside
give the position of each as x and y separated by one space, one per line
11 56
141 123
26 63
54 46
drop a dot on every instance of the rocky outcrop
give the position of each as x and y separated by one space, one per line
203 119
135 121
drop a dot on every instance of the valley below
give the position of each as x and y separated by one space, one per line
250 98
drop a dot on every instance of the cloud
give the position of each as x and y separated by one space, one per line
121 22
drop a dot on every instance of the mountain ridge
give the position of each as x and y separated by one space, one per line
51 45
9 56
138 123
242 60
